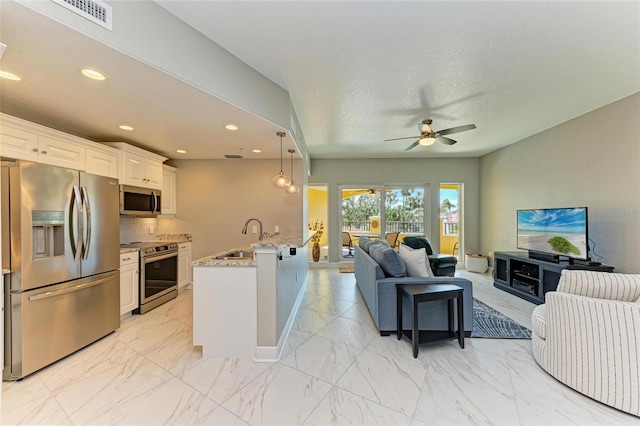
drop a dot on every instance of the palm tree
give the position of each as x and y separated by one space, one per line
446 207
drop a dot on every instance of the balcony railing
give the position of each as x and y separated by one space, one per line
394 226
448 228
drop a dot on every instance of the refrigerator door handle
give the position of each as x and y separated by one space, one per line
78 287
87 209
76 243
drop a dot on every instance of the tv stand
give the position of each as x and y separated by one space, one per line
531 278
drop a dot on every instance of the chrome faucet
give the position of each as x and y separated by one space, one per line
244 230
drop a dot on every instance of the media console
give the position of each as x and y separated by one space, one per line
531 279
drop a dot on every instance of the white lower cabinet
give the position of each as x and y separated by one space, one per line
129 282
184 264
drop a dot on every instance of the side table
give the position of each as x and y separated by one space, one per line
426 293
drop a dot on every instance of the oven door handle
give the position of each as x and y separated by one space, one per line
157 257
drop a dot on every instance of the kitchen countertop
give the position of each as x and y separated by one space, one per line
174 238
162 239
6 271
128 250
279 242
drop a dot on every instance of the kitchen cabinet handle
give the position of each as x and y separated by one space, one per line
128 258
44 152
35 149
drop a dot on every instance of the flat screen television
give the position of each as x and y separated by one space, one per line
551 233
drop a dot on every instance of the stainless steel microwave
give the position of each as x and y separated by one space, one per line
136 201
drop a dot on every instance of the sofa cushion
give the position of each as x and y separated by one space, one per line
381 241
365 243
416 261
418 242
389 260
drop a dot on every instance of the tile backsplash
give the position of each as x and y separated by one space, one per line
134 229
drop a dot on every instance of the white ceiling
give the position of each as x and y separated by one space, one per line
358 72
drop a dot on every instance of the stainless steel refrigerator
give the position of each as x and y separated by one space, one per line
60 239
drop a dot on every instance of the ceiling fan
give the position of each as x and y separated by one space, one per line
428 137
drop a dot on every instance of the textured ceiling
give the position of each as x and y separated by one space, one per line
360 72
357 72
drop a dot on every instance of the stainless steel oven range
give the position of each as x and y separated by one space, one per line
158 274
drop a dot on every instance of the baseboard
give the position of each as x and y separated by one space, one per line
273 353
331 265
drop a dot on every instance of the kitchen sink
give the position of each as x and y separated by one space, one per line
237 255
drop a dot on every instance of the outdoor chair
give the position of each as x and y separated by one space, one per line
392 238
347 242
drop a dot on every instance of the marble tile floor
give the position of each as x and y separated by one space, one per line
336 369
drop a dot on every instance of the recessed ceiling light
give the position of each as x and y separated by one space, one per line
9 76
257 151
125 127
93 74
181 151
231 127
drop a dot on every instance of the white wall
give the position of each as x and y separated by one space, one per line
592 160
215 197
334 172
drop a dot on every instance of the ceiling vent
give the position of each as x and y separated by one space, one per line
232 156
94 10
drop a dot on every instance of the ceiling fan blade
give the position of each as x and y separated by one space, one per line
413 145
456 129
446 141
397 139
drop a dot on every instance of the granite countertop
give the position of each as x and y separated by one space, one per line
163 239
212 261
174 238
283 241
278 242
6 271
128 250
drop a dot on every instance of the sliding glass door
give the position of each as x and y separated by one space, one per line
382 211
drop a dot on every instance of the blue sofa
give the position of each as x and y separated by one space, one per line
379 293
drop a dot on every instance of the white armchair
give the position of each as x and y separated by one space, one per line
587 335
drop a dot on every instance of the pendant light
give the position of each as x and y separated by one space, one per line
281 180
292 188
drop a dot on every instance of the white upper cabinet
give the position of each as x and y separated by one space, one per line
18 143
23 140
168 190
103 161
139 167
62 153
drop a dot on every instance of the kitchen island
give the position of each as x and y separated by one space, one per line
245 299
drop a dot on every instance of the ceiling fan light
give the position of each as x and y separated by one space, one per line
426 141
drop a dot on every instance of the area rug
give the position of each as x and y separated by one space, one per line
491 324
346 270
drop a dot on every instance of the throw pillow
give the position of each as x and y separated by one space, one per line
381 241
389 260
418 242
365 244
416 261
